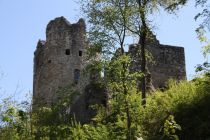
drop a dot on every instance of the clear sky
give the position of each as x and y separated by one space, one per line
23 22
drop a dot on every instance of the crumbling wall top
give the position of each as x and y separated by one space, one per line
41 43
171 47
40 47
59 21
61 26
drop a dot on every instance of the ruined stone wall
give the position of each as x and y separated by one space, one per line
59 61
165 62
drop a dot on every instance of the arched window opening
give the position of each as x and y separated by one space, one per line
76 76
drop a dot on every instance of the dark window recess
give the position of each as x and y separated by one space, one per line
49 61
67 51
80 53
76 76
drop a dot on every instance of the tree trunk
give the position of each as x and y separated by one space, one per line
142 44
125 92
143 70
128 121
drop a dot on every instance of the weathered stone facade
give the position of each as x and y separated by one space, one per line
59 61
59 64
164 62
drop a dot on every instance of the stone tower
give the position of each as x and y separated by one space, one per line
166 62
59 61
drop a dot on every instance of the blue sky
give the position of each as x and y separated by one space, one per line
23 22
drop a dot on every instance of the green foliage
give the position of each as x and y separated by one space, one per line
170 127
204 26
15 122
184 103
201 33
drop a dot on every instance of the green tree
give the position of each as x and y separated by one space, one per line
112 22
106 33
15 120
140 26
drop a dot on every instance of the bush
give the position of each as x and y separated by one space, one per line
180 112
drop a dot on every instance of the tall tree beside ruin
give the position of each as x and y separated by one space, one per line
108 29
141 26
111 22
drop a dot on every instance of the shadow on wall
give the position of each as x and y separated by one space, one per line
95 94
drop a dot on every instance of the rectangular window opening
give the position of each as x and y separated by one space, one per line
80 53
67 51
76 76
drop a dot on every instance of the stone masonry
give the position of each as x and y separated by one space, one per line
58 61
164 62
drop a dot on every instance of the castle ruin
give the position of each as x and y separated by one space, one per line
60 60
164 62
